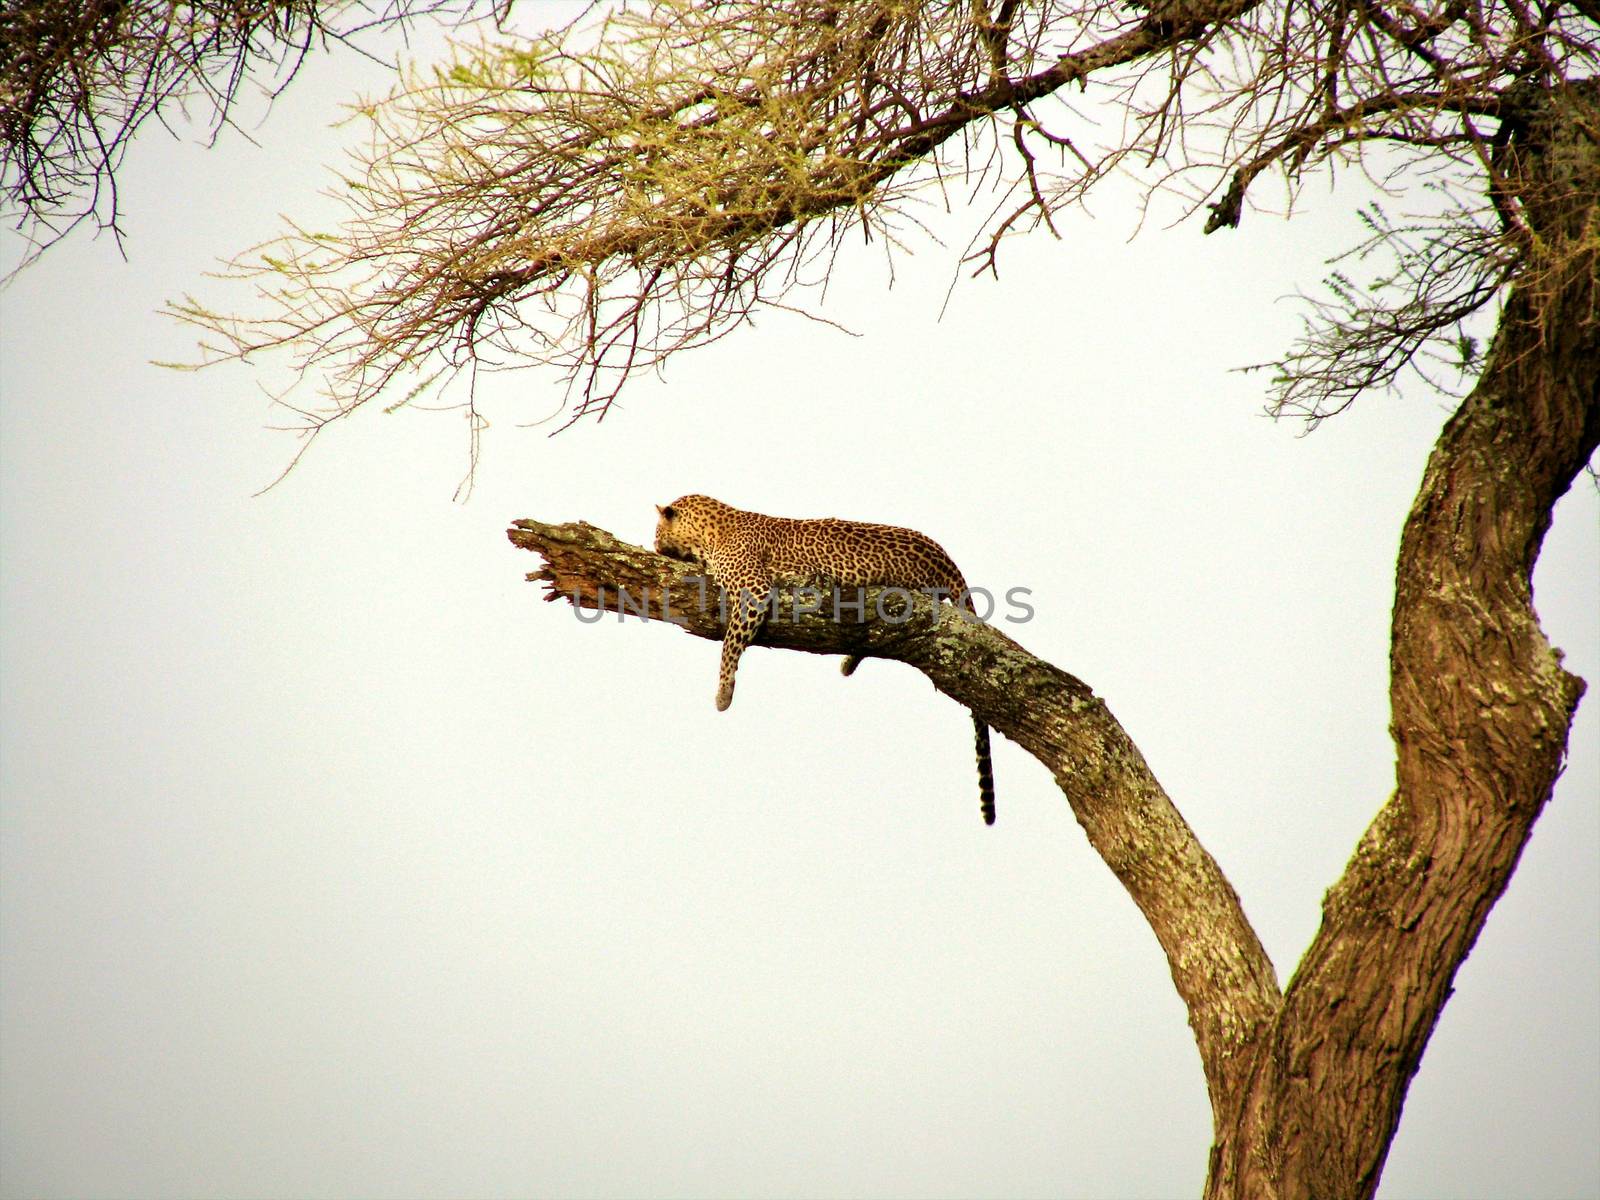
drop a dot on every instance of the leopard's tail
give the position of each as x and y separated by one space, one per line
960 595
985 770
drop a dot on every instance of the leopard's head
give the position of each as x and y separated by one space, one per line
686 528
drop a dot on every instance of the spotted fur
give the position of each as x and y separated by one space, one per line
748 553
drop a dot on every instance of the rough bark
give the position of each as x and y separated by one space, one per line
1307 1086
1480 704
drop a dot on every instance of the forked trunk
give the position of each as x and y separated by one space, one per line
1306 1087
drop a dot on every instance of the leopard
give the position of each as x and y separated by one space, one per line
749 553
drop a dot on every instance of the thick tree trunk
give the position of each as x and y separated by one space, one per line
1306 1086
1480 710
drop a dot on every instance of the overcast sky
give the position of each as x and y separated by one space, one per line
334 863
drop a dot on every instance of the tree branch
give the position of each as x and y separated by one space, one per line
1217 962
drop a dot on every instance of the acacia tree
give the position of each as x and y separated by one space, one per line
640 183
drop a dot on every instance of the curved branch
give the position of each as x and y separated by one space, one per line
1300 143
1217 962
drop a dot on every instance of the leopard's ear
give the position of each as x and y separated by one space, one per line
667 511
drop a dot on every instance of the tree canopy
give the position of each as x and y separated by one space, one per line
644 179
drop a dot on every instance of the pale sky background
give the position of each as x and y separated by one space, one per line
335 863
